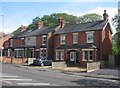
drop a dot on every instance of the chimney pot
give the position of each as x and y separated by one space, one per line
40 24
105 16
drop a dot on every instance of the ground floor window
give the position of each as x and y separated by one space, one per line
71 56
57 55
84 55
19 52
62 55
90 55
43 52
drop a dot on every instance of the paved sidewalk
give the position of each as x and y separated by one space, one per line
111 74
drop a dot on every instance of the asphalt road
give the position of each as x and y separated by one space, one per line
15 76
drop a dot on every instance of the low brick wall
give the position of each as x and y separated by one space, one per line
92 66
58 64
30 60
19 60
14 60
6 60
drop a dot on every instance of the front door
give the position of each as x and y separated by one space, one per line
77 58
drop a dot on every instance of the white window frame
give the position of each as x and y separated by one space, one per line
41 53
28 41
11 42
84 58
57 55
90 55
72 59
90 37
75 38
43 39
22 40
62 55
62 38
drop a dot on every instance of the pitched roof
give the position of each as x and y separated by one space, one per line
88 26
77 46
42 31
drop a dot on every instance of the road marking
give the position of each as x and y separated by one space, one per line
8 76
7 82
18 79
33 84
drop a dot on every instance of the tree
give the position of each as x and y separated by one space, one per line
89 17
51 19
116 23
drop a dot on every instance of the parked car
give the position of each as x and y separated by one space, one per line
42 62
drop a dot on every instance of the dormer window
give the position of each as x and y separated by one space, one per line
90 37
44 40
75 38
62 39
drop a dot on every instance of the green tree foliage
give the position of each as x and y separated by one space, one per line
89 17
51 19
116 22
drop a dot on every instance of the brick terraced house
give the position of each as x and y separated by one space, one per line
77 44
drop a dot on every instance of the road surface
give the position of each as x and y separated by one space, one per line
12 75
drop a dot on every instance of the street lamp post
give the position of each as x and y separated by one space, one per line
2 15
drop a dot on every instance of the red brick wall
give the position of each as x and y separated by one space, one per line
14 60
38 41
50 49
6 44
82 38
17 42
69 38
106 44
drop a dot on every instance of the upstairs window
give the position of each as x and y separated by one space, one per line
90 37
75 38
11 42
62 39
44 40
28 41
22 41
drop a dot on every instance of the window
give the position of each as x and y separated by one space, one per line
90 37
62 39
43 52
62 55
71 56
11 42
22 41
19 52
90 55
84 53
28 41
43 39
57 55
75 38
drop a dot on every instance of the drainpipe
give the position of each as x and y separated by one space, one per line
99 45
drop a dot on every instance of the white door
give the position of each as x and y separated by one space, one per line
71 56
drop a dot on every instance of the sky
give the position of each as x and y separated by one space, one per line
14 13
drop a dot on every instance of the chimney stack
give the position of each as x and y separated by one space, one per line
40 24
105 16
23 28
61 22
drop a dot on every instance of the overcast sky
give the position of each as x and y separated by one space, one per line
17 13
